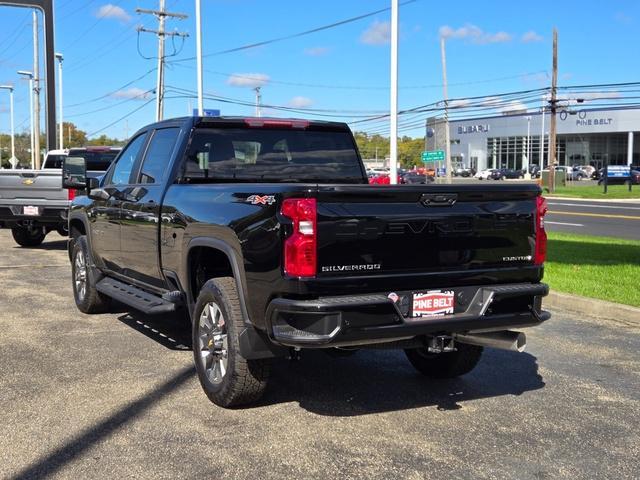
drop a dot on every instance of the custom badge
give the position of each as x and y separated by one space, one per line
261 199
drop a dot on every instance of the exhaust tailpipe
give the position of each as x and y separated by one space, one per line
505 340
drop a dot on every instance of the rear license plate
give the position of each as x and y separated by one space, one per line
30 211
433 302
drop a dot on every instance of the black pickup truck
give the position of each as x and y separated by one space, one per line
266 232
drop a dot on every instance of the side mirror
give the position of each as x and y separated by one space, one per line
74 173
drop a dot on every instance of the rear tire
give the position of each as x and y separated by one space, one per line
445 365
28 237
84 277
227 378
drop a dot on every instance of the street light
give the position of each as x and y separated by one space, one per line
29 75
13 160
60 60
199 57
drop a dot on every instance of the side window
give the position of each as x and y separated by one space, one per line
122 171
158 155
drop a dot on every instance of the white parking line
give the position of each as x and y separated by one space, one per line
565 224
612 207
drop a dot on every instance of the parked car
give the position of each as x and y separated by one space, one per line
287 252
33 202
484 174
504 173
463 172
410 178
571 173
587 169
534 170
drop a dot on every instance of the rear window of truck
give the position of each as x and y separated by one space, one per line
98 161
272 155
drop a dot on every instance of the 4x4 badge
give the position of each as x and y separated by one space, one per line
261 199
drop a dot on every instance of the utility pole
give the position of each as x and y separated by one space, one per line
447 134
13 161
162 15
199 59
36 94
29 75
61 131
553 102
393 134
258 101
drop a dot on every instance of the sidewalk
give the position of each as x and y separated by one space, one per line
592 307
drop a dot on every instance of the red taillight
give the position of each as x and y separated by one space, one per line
300 257
541 234
71 194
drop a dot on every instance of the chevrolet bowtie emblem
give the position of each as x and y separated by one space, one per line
27 181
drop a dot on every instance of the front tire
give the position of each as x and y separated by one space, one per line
26 237
227 378
84 278
445 365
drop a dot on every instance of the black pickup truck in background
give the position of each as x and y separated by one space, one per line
267 233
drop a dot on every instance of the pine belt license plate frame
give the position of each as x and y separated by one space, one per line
432 303
31 211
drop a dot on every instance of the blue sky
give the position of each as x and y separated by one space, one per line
492 47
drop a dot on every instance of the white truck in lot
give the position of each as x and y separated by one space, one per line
33 202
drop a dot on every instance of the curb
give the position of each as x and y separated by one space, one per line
597 200
592 307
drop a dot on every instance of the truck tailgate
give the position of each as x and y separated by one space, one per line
35 187
368 230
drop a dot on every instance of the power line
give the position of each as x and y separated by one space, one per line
296 35
141 95
356 87
112 92
121 118
110 7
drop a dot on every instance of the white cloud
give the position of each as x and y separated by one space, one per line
379 33
132 93
300 102
249 80
623 18
514 106
113 11
491 101
531 36
316 51
475 34
459 103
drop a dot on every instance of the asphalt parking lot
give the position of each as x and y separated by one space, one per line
116 396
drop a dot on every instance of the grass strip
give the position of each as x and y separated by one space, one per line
596 267
615 192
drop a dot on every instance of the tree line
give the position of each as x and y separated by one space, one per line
376 146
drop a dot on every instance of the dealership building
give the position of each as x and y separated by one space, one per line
585 137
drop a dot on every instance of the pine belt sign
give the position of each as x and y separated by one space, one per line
433 156
618 171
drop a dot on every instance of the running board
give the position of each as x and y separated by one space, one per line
135 297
